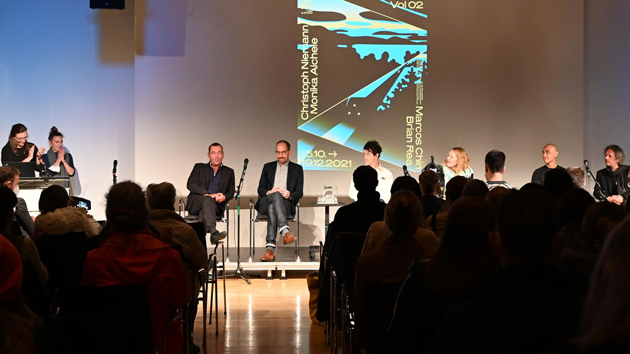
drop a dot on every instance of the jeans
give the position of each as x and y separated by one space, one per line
277 208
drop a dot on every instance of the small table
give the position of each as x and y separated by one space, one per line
327 213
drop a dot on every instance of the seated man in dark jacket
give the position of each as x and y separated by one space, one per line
612 181
531 307
211 186
355 217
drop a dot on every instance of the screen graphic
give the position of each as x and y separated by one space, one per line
361 68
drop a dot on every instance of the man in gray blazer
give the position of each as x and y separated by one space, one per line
211 186
279 190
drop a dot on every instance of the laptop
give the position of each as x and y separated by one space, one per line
27 169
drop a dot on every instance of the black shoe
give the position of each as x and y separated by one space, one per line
217 236
195 349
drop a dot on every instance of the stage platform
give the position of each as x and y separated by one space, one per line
286 260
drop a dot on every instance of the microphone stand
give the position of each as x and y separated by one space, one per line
239 269
590 176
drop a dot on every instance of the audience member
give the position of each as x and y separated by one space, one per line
598 221
531 307
573 206
605 327
578 176
57 218
495 168
24 245
383 269
495 196
453 192
162 216
464 264
133 255
379 232
557 182
431 204
355 217
10 177
475 188
17 330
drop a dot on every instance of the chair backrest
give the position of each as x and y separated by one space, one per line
346 249
379 299
36 295
102 319
63 256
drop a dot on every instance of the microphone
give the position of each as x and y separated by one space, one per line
405 172
114 171
245 164
588 169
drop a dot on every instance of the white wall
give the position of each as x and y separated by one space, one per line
63 64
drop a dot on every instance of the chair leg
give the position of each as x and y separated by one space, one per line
216 303
224 288
212 283
204 290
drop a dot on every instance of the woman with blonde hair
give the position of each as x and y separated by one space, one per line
457 163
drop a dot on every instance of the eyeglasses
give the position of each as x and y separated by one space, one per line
21 139
281 152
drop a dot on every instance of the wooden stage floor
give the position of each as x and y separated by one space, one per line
268 316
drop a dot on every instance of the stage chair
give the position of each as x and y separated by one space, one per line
221 218
211 274
263 218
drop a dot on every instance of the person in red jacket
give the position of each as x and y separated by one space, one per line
132 255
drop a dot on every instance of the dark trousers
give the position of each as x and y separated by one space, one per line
209 214
278 208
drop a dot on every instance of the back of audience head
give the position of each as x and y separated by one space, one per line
470 220
454 189
8 176
599 220
428 182
495 162
606 312
406 183
403 214
495 196
526 227
475 188
573 205
533 187
365 178
126 207
53 198
557 182
578 176
8 200
161 196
